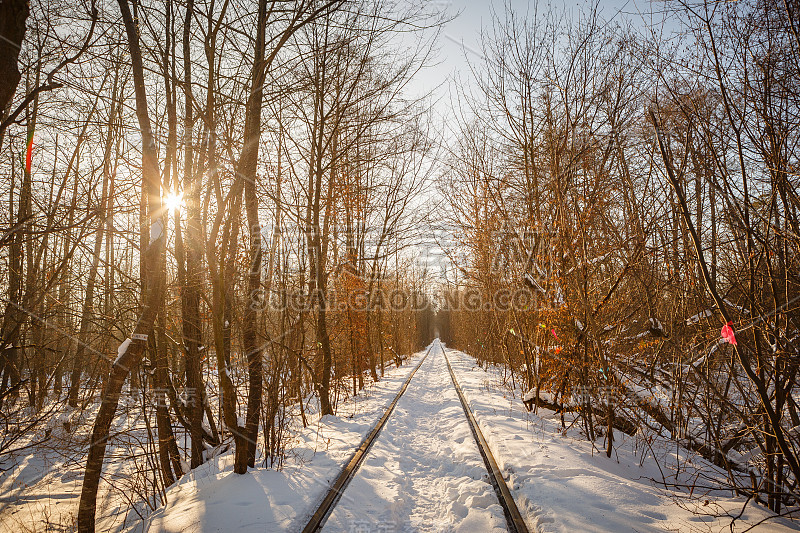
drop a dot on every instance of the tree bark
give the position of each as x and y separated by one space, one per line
152 265
190 295
13 17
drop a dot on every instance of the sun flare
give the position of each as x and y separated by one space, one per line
173 201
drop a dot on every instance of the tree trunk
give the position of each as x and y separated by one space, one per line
13 17
151 259
190 295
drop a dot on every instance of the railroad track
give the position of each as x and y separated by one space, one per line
335 492
513 517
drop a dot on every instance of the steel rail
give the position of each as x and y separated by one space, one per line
333 495
513 517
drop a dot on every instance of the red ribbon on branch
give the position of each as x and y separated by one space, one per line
728 334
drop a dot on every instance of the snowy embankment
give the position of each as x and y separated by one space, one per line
563 484
213 498
40 484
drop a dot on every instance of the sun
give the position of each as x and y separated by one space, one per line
173 201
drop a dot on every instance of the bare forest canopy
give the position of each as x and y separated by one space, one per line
222 207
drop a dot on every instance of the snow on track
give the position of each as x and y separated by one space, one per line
338 486
516 524
424 471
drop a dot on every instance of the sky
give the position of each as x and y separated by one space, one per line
459 46
460 40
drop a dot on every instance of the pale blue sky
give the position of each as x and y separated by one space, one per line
462 36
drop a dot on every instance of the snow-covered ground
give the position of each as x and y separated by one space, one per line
40 485
214 499
424 471
565 484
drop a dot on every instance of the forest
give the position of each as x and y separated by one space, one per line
219 219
